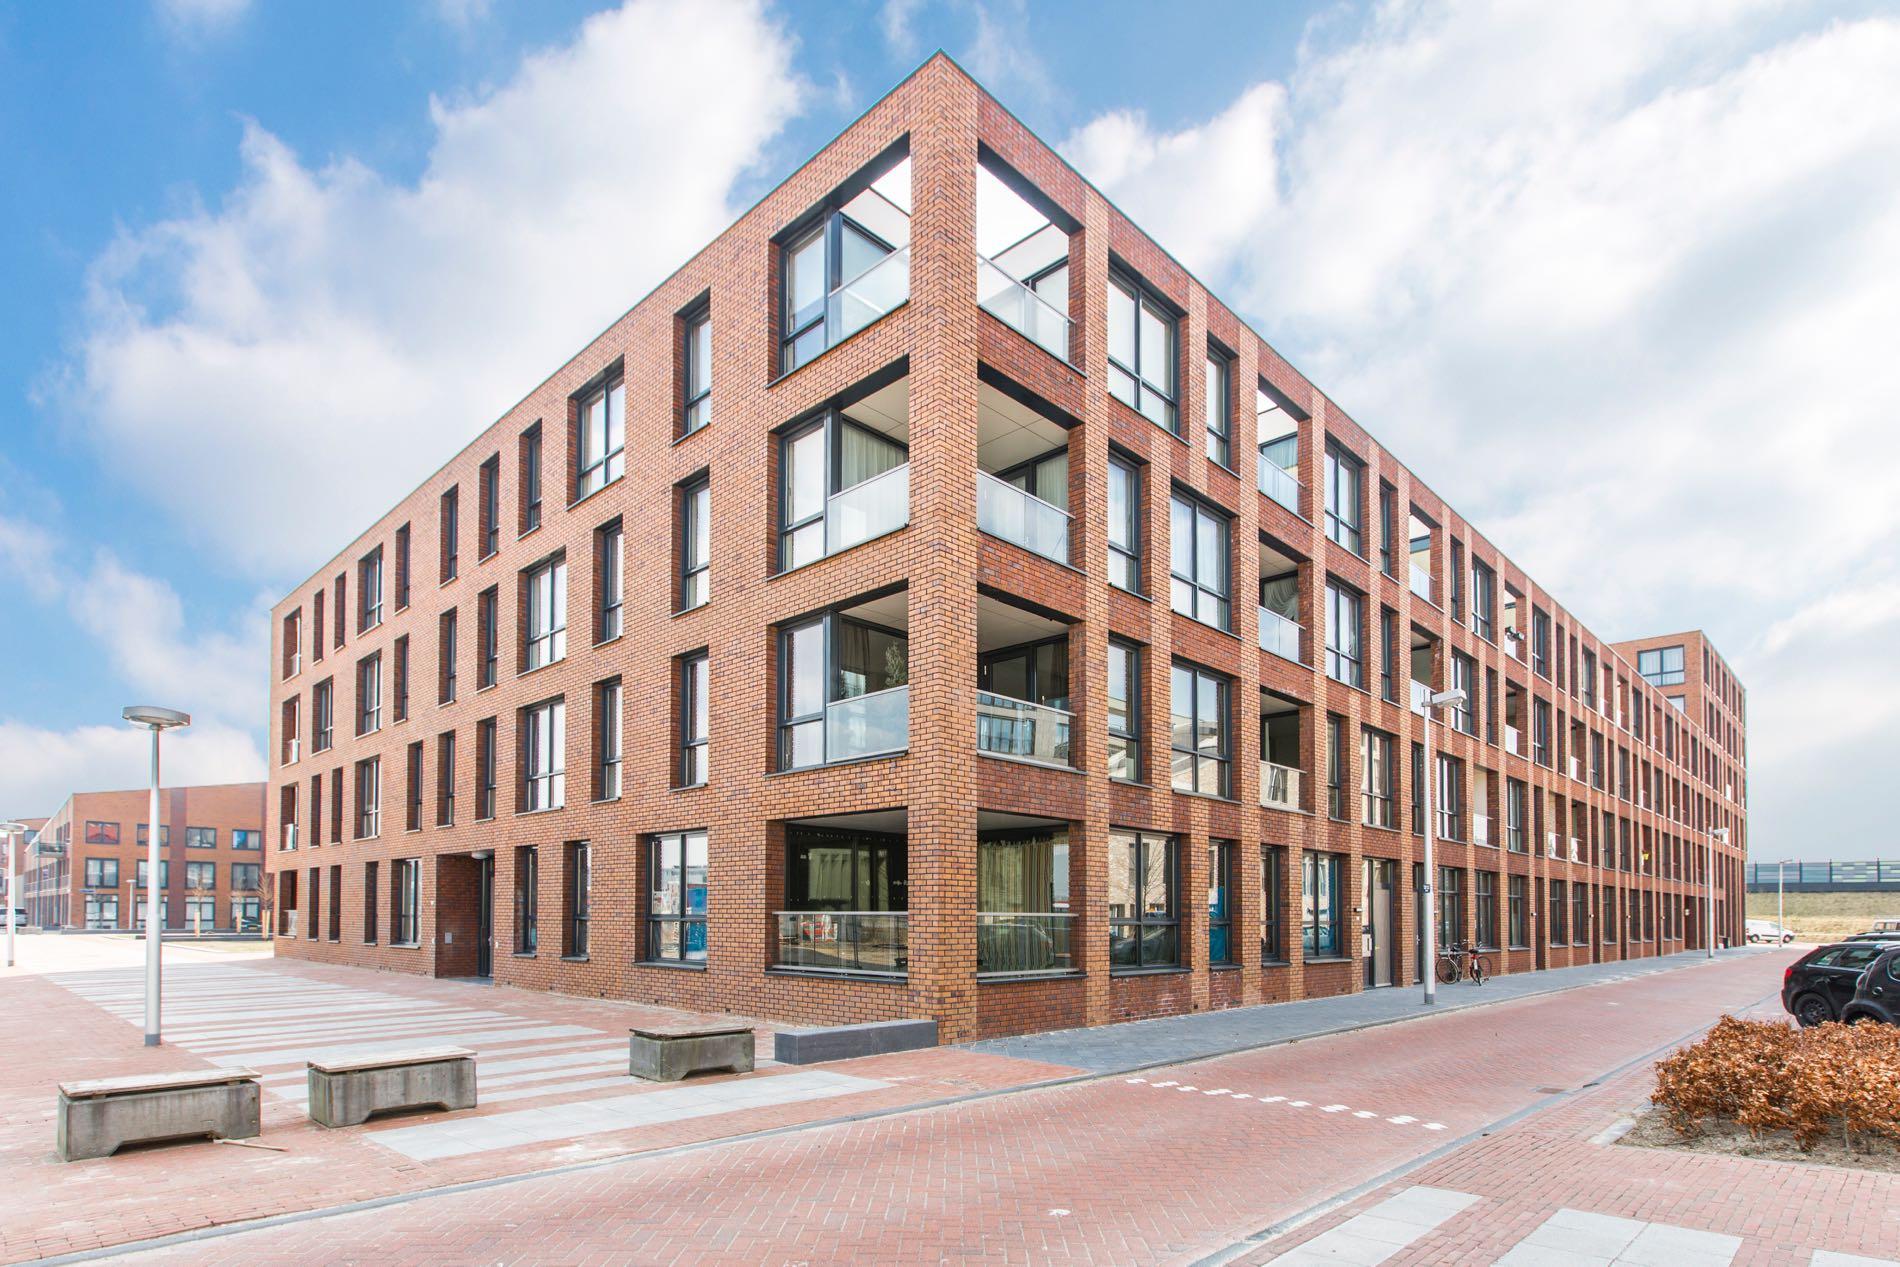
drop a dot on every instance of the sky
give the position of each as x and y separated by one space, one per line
1621 281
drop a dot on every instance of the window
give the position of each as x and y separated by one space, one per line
1579 914
488 629
1486 909
1320 895
486 741
1514 816
448 518
290 642
1451 797
848 269
600 427
577 898
1376 791
1141 354
1218 409
1124 711
607 740
399 692
489 514
102 911
246 877
695 719
544 749
527 899
1451 906
316 625
1388 509
246 838
1345 475
336 806
529 459
1343 635
1389 654
1520 913
369 590
103 873
1022 901
1335 766
1220 902
822 461
201 875
342 607
322 716
1540 642
695 542
445 657
402 567
445 779
1273 903
1199 731
1198 551
1661 666
369 903
1464 678
412 794
1143 927
676 901
842 691
609 544
405 901
1124 525
201 838
1484 597
696 354
546 587
369 694
164 874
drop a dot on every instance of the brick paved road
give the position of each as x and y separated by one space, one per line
1119 1169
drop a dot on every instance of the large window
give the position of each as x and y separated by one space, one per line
1143 923
1486 909
1376 787
527 899
1345 479
1344 635
1199 731
843 690
547 613
848 269
577 898
1321 896
405 901
1124 711
837 488
1199 557
544 749
1218 408
1273 903
695 542
607 726
1661 666
102 873
676 902
1124 525
602 434
1141 352
1022 901
696 350
1220 902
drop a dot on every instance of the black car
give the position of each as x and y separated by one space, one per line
1818 986
1877 995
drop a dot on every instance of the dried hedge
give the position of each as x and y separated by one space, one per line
1769 1076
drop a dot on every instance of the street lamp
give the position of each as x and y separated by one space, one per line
1429 969
10 831
1781 929
1708 894
157 720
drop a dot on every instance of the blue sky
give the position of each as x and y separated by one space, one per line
1616 279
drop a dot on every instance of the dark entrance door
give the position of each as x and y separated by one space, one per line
1381 944
485 917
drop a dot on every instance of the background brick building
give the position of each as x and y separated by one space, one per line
858 629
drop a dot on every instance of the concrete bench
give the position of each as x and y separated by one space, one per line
667 1053
98 1117
843 1042
347 1092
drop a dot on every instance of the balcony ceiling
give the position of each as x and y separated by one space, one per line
891 611
887 410
1000 625
887 820
1009 432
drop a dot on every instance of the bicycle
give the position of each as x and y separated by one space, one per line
1459 961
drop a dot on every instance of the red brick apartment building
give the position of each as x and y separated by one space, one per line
857 629
87 869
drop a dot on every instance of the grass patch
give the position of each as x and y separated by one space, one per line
1826 916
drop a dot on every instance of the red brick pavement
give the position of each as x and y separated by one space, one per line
1109 1170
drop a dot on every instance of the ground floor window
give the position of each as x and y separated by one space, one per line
247 914
578 898
1580 913
1220 902
1554 914
369 903
1273 903
1486 908
1143 921
527 899
1451 907
847 901
676 903
1321 884
201 913
1607 924
1520 930
102 910
405 900
1022 901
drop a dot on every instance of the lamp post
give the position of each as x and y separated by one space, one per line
1429 969
1708 894
1781 929
157 720
11 831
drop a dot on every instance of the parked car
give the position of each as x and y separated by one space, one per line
1818 986
1766 930
1877 993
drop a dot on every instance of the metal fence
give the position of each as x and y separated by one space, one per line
1824 877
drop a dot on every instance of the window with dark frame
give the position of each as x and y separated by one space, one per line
1124 524
1124 711
1200 561
1144 920
445 779
407 900
695 709
486 740
445 657
695 542
696 361
322 715
369 903
369 590
835 270
607 728
1485 910
1555 911
488 629
528 460
576 899
1273 903
600 434
544 589
449 531
609 546
527 898
544 756
1519 889
1335 766
1220 902
1322 891
676 897
1344 635
369 694
369 798
402 567
1378 793
489 488
316 626
1217 408
1200 731
1141 351
399 675
818 459
1451 907
412 794
1345 498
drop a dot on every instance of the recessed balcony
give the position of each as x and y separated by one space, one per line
844 684
1023 921
1281 778
1022 264
847 269
1279 607
1022 678
1022 478
847 896
844 477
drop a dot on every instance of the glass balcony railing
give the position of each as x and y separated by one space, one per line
1422 583
1012 727
1576 849
1420 694
290 835
1480 829
868 296
1279 635
1021 308
1552 846
871 943
868 509
1021 944
1278 483
1279 786
1513 742
866 725
1005 511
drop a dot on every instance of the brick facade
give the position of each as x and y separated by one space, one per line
954 359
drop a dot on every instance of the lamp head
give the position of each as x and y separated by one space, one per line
1450 698
152 717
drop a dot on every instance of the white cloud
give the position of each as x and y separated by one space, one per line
28 552
200 17
464 14
279 366
1617 280
40 767
894 18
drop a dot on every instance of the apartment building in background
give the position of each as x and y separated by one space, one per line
858 629
88 867
23 843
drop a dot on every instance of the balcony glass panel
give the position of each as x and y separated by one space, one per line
1017 944
879 505
866 725
1279 786
874 943
1017 728
1513 743
1005 511
1279 635
1278 483
868 296
1480 829
1017 306
1422 583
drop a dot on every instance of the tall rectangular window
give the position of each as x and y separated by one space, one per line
489 486
488 630
1321 894
1218 409
827 661
1464 678
607 740
445 657
1451 797
1199 561
336 806
1555 911
544 755
1484 598
1485 909
445 779
609 544
316 626
402 567
1345 477
546 587
527 899
322 715
1519 930
336 902
695 542
696 355
1540 642
1335 766
369 903
1124 711
1388 511
1579 914
369 798
1389 654
601 431
407 902
822 461
342 605
1124 525
529 461
399 679
369 590
1343 635
676 897
577 898
847 268
1141 352
1220 902
1514 824
1200 733
412 792
1451 906
1143 921
487 740
1377 792
695 719
448 529
1273 903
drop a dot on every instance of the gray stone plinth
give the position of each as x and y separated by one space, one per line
662 1053
348 1092
96 1118
841 1042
